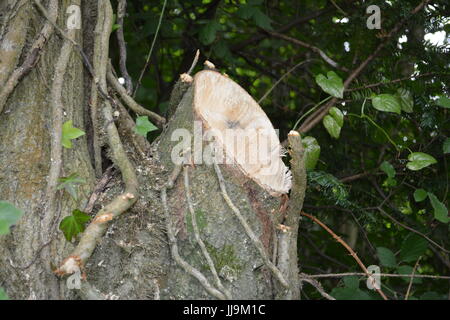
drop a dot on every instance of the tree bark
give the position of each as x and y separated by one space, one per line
134 259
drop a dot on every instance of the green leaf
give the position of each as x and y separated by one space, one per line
443 102
69 133
3 295
208 32
440 210
446 146
419 160
406 100
408 270
332 84
115 27
387 257
412 248
387 103
74 224
420 195
9 215
349 294
351 282
246 11
312 152
388 169
337 115
261 20
332 126
144 126
70 184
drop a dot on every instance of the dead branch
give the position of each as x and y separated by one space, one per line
317 116
32 56
130 102
121 203
346 246
257 243
199 240
121 10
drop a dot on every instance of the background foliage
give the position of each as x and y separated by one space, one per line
370 183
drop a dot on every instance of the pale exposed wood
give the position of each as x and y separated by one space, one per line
242 129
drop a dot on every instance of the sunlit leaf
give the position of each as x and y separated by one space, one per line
69 133
332 126
331 84
419 160
312 152
144 126
387 103
406 100
443 102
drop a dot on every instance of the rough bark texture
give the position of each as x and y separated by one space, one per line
132 261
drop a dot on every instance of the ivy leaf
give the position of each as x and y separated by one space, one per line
208 32
332 84
115 27
406 100
419 160
3 295
387 257
440 210
74 224
446 146
387 103
412 248
69 184
332 126
9 215
69 133
144 126
387 168
312 152
420 195
443 102
337 114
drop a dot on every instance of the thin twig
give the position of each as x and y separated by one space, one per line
347 247
281 79
199 240
387 275
315 49
277 273
151 49
194 62
131 103
32 56
412 278
317 116
121 10
316 284
179 260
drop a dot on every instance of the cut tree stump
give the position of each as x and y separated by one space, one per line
213 102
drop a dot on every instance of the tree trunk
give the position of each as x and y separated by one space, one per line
134 259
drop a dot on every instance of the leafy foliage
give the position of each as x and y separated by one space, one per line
392 150
144 126
74 224
69 133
